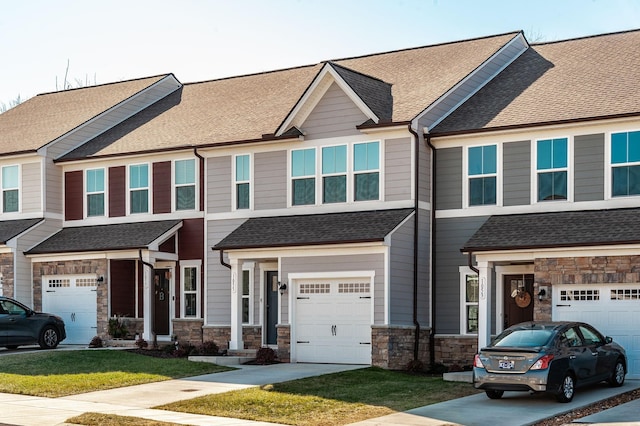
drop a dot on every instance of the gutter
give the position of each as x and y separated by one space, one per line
432 334
222 262
416 229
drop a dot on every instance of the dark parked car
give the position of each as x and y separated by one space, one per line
553 357
20 325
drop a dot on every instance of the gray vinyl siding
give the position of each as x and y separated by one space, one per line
218 286
448 165
334 115
219 184
424 172
32 188
114 116
481 76
451 234
270 177
517 173
361 262
589 167
53 187
397 154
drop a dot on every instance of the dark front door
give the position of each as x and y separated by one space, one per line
271 317
161 301
518 299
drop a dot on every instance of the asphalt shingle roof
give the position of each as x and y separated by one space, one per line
44 118
247 107
560 229
12 228
554 82
332 228
121 236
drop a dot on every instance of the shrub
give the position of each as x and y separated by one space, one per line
438 368
415 366
206 348
141 343
117 327
265 355
96 342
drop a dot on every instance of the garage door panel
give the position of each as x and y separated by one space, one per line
614 309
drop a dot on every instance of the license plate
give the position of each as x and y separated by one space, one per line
506 365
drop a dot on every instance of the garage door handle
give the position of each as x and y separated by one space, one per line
302 298
302 341
365 297
365 343
563 305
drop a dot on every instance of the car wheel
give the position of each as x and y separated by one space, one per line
567 389
494 394
49 338
12 347
617 375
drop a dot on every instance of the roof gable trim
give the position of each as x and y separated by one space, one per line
314 93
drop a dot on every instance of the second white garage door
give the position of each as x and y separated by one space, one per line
614 309
333 321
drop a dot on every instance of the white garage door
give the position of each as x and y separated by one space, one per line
74 299
333 321
614 309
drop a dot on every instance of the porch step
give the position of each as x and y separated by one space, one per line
458 376
222 360
119 343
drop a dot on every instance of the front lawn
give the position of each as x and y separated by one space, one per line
60 373
333 399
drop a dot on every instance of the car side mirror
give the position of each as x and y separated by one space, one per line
608 339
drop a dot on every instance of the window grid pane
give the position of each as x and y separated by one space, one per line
139 201
95 205
242 196
335 189
185 172
185 197
366 186
303 162
334 159
10 177
242 168
304 191
366 156
139 176
10 201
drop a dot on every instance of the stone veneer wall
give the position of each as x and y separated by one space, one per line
76 267
220 335
188 331
392 347
7 268
284 342
455 351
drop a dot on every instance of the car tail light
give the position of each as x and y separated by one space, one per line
477 362
542 363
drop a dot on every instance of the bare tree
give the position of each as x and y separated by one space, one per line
4 107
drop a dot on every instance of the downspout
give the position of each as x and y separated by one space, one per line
432 334
202 179
222 262
470 263
416 229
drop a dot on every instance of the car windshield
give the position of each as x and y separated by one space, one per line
524 338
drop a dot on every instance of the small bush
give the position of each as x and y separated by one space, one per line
438 368
415 366
118 327
141 343
265 355
206 348
96 342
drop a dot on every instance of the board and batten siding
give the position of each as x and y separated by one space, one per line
516 183
589 167
219 184
218 279
451 235
344 263
449 178
31 188
397 181
334 115
270 177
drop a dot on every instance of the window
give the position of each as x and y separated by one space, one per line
469 290
482 170
246 293
10 191
139 188
334 174
95 192
303 172
190 290
366 168
185 184
625 164
552 169
243 174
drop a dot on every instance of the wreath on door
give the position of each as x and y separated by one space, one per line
522 297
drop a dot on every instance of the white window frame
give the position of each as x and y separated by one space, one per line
464 272
317 164
346 173
608 178
234 189
466 176
19 185
250 268
197 265
354 173
535 171
147 188
174 185
105 213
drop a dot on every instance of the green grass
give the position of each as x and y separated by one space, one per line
60 373
334 399
98 419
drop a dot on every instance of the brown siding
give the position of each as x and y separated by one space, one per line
162 187
168 246
191 239
117 191
73 195
123 287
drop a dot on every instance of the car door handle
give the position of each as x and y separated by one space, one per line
594 353
572 357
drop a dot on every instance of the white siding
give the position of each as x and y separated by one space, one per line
31 188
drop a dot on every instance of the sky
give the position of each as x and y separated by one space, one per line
97 42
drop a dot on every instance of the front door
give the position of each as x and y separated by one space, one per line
518 299
161 302
271 308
